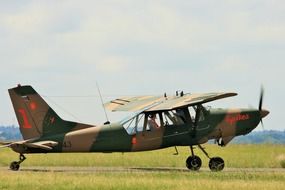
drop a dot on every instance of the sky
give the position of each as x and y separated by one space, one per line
62 48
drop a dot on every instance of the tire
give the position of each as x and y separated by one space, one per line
216 164
193 163
14 166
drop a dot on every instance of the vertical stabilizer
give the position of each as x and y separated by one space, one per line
34 115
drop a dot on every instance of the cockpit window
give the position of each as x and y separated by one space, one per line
155 121
202 112
175 117
168 118
202 115
192 111
134 124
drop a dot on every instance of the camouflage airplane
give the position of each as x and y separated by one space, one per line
157 122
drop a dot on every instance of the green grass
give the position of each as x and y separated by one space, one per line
281 159
282 163
235 156
125 181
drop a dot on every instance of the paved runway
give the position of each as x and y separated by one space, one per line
134 169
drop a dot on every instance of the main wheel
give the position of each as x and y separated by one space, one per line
14 166
216 164
193 163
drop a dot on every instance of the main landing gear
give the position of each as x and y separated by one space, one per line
194 162
16 164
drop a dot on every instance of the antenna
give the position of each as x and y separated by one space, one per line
107 122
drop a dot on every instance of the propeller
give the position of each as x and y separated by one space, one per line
262 112
261 98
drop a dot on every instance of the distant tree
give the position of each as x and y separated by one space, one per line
10 133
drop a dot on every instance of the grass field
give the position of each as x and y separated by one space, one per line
235 156
155 180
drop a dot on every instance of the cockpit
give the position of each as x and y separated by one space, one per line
151 121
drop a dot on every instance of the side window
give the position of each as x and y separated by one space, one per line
175 117
193 113
202 115
140 122
129 126
179 116
135 124
153 122
167 118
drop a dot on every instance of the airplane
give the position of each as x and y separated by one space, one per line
156 122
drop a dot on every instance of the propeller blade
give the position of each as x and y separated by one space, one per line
263 113
261 98
262 124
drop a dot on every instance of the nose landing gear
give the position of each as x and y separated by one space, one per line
194 162
15 166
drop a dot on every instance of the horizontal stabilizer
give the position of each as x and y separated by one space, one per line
4 144
44 145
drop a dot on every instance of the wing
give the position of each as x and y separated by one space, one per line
160 103
135 103
45 145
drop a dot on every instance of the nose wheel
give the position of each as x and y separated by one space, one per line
194 162
15 166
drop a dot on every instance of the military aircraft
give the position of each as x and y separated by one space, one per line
156 122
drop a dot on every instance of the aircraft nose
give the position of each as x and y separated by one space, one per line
264 113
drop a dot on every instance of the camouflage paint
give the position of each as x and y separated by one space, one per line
38 123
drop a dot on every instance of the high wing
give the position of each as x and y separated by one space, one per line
161 103
44 145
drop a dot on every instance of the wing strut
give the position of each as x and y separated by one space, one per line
197 117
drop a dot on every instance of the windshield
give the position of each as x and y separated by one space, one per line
154 121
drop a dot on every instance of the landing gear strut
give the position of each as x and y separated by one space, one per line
194 162
16 164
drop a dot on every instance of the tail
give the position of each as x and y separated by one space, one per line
35 117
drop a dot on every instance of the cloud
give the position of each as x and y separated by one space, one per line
85 33
32 19
151 46
112 64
